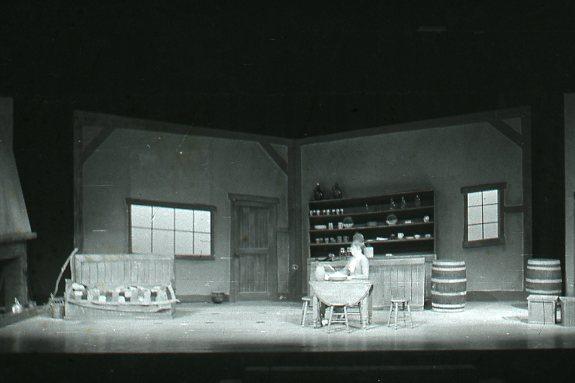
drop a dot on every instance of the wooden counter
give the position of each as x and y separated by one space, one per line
395 276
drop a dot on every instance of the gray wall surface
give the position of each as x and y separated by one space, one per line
13 215
178 168
569 113
443 159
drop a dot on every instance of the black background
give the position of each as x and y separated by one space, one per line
291 69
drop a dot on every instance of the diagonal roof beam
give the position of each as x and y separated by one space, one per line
95 143
275 156
507 131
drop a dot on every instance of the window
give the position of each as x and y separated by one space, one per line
164 228
483 206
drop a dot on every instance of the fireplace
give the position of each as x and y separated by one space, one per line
15 228
13 274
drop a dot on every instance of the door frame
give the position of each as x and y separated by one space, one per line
272 264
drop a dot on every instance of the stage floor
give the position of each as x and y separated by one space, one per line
275 327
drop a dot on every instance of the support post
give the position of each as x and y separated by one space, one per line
296 260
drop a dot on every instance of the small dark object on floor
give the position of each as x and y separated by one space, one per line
218 297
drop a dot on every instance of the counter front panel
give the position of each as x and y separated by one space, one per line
392 277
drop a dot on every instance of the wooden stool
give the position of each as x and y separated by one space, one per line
395 305
305 306
339 317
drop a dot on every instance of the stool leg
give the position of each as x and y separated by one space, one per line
330 316
304 313
409 311
345 317
390 312
396 308
403 316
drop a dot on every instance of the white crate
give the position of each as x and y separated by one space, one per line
542 308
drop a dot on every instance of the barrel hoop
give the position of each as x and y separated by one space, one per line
543 280
433 292
547 292
458 310
543 268
447 268
543 261
448 280
447 305
449 263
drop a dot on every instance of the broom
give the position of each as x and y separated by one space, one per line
54 301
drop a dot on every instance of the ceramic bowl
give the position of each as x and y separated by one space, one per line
391 219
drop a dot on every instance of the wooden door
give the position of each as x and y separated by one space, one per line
254 265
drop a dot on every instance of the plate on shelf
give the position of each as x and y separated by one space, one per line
372 224
391 219
409 237
320 227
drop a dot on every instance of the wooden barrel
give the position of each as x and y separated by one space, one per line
543 276
448 285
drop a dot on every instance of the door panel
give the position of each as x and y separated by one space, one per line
253 242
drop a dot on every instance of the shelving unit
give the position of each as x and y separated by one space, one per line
375 210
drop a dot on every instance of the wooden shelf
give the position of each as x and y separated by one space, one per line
373 213
356 209
360 201
360 228
404 240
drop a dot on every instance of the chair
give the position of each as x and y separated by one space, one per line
400 304
305 306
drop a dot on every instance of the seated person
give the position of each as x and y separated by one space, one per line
358 265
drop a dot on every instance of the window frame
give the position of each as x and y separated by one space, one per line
500 187
175 205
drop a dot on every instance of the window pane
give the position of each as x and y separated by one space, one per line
163 218
474 199
490 213
184 243
474 215
141 215
141 240
184 219
491 230
163 242
202 245
490 196
474 233
202 221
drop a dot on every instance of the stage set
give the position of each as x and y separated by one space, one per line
232 242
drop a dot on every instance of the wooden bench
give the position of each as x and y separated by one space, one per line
110 272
